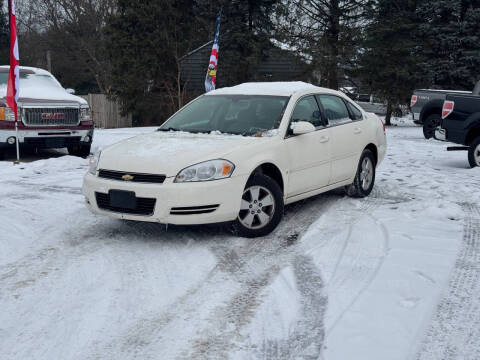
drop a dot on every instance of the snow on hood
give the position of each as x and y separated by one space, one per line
168 153
41 90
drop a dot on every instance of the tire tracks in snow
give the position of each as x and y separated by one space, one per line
212 314
454 332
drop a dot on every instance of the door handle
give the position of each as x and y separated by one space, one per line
357 130
324 139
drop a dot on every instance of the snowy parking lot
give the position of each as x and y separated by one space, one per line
393 276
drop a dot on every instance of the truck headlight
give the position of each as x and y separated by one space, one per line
6 114
206 171
94 163
85 114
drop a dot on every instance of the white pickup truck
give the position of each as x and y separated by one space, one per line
49 116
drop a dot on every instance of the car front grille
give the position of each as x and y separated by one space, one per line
145 206
194 210
50 116
132 177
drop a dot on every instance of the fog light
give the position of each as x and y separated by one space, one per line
11 140
87 139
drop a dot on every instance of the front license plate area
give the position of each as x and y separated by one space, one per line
123 199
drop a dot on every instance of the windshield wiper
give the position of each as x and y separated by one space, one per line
168 129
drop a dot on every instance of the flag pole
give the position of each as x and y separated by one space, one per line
17 144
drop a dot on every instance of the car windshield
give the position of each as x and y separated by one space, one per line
234 114
28 79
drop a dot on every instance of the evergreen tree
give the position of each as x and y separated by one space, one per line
326 32
389 62
451 34
247 29
146 40
4 36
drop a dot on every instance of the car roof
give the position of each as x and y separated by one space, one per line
288 88
25 69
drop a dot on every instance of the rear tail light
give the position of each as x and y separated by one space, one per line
447 108
414 100
383 125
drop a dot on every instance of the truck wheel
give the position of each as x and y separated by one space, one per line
430 125
365 178
261 209
474 153
79 150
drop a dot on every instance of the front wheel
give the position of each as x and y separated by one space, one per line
474 153
430 125
365 178
79 150
261 207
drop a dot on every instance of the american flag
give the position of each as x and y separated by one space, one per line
14 74
211 79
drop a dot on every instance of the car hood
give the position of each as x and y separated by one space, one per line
44 95
167 153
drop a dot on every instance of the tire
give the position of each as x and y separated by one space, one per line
253 212
430 125
365 177
79 150
474 153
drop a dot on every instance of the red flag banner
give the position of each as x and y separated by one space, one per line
14 74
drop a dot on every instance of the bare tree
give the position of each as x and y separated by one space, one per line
73 28
324 32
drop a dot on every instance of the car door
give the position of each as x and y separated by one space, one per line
309 154
346 129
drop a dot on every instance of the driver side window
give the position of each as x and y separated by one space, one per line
307 110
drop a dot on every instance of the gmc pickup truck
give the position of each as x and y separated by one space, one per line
426 106
461 125
48 115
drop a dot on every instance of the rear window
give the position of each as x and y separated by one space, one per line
356 113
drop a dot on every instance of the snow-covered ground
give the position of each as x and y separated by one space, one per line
393 276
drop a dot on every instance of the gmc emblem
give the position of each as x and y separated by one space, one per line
53 116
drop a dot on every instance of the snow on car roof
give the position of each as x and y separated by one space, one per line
270 88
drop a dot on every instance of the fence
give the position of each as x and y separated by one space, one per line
106 113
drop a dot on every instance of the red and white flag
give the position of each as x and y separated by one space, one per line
211 78
14 74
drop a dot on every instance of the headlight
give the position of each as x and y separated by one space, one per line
206 171
85 114
94 163
6 114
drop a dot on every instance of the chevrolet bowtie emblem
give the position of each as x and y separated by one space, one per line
127 177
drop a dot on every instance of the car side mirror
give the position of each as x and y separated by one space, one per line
70 91
302 127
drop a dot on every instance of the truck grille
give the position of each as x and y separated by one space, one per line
51 116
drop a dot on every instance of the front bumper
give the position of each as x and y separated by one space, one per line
226 193
42 138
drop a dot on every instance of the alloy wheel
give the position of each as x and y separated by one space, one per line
476 155
366 175
257 207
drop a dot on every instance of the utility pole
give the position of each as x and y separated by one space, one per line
49 61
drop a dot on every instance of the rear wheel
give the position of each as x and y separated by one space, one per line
474 153
430 125
261 207
79 150
365 178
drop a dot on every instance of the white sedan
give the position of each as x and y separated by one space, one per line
239 155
